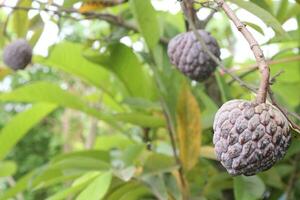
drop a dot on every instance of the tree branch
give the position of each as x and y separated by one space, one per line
112 19
254 67
240 81
258 53
217 60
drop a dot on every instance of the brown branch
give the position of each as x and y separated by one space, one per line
190 13
218 61
240 81
258 53
254 67
112 19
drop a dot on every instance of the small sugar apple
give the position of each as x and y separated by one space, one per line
17 55
250 137
187 54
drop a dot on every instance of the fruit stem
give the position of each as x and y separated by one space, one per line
258 53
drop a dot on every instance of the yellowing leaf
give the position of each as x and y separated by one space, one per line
93 5
188 128
4 72
208 152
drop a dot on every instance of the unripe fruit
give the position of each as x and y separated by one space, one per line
187 54
17 55
250 137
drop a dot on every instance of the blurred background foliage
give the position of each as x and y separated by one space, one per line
100 112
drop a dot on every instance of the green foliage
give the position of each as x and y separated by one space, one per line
93 118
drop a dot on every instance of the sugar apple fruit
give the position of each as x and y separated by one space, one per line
187 54
250 137
17 55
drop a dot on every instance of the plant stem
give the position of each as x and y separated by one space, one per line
258 53
254 67
112 19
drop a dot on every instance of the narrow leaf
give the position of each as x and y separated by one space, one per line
248 188
7 168
20 19
147 21
97 189
18 126
264 15
48 92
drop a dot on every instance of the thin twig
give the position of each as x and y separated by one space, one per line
241 82
284 112
208 18
258 53
112 19
254 67
190 13
218 61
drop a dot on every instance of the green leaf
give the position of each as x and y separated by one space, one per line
20 186
264 15
293 11
248 188
136 194
78 185
283 8
189 129
146 17
7 168
131 153
132 190
69 3
51 93
36 36
108 142
159 163
294 37
96 154
85 164
255 27
97 189
208 111
20 19
20 124
122 61
37 26
66 167
68 57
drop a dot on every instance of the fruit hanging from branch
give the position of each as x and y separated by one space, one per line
187 54
17 55
250 137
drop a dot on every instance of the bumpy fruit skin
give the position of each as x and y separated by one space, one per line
249 137
187 54
17 55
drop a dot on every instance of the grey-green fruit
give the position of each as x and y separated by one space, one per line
17 55
249 137
187 54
